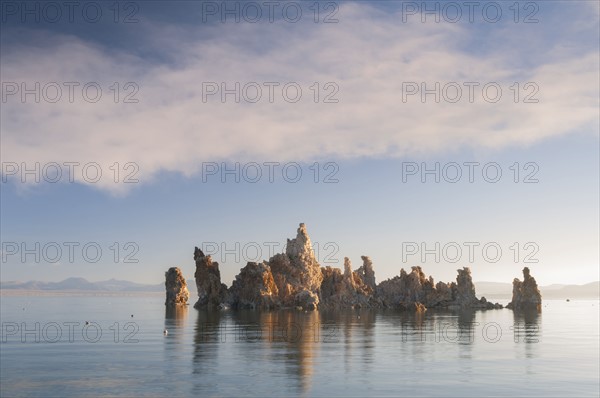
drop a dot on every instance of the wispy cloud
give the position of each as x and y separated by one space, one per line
368 56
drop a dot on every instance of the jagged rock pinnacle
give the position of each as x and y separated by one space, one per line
300 248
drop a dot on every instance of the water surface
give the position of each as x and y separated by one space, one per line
252 353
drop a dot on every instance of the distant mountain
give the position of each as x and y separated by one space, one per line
493 289
81 284
490 290
589 290
555 291
556 286
115 285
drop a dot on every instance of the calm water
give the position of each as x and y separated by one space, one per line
352 353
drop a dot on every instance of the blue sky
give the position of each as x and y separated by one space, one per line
370 134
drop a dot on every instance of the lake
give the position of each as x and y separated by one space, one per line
48 350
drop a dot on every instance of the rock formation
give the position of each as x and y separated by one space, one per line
402 290
176 287
464 293
526 295
297 273
211 292
254 287
347 290
366 272
465 289
406 290
295 279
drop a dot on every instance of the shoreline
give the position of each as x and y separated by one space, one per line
51 293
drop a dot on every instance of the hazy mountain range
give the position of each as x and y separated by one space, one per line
500 289
488 289
81 284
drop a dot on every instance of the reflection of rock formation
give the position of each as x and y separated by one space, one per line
284 338
527 333
209 329
207 343
176 287
175 318
175 349
526 295
526 326
466 326
176 314
211 292
295 279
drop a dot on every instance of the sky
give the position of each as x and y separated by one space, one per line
417 133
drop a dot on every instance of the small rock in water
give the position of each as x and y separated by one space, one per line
87 322
166 332
526 294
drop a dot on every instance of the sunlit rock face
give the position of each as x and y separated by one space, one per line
176 287
348 276
526 295
296 273
300 252
347 290
211 292
287 278
254 288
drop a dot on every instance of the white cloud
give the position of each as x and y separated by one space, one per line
369 54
